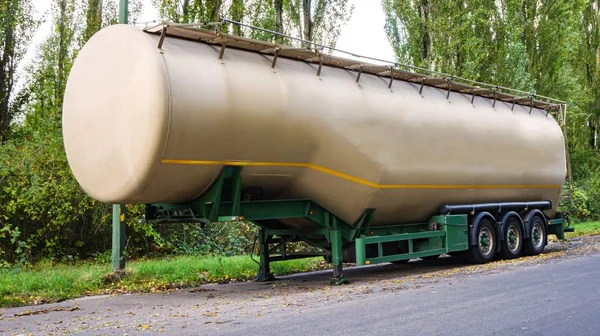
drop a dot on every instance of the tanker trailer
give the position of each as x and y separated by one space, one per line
368 163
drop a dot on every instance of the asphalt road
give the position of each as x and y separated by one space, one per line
557 293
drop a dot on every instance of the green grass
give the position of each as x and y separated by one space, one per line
48 282
585 229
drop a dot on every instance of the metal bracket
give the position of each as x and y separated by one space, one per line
320 65
223 46
449 82
550 109
163 34
360 69
531 106
275 55
495 97
422 85
392 68
473 94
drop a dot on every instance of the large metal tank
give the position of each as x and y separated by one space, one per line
147 125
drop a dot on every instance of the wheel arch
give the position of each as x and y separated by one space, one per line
504 218
527 218
475 224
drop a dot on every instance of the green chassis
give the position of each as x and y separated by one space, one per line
337 240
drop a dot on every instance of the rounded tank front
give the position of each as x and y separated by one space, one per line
143 125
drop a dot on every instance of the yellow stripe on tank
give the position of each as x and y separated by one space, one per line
357 179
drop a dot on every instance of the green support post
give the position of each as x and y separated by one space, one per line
336 252
118 237
361 251
118 212
264 273
124 12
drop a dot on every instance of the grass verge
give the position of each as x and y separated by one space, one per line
585 229
46 282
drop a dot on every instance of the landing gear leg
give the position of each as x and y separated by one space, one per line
336 255
264 274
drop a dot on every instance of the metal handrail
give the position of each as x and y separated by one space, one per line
515 94
395 64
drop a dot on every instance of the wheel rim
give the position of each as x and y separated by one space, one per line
537 235
486 242
513 238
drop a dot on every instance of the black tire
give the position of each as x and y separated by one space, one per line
538 237
486 241
512 245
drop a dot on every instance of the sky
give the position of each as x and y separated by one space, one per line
363 35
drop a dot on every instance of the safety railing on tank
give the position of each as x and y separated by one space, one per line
315 53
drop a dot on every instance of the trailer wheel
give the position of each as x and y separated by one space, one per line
485 248
537 237
512 245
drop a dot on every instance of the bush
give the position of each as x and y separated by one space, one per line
585 204
45 214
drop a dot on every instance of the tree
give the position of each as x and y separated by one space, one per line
467 38
313 20
17 26
187 11
590 58
318 21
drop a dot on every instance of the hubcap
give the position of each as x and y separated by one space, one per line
514 239
486 244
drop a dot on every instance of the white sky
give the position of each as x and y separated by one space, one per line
363 35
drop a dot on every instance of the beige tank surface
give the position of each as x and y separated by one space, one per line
146 125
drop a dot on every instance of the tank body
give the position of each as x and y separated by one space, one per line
144 126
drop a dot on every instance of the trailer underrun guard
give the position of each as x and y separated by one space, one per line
478 231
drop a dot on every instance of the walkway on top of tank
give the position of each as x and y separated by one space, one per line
422 77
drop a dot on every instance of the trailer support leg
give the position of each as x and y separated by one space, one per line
264 274
336 255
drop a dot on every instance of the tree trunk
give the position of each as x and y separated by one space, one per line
306 18
215 13
237 14
424 10
185 11
61 52
6 69
278 4
93 18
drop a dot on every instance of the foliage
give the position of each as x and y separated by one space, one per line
45 213
319 21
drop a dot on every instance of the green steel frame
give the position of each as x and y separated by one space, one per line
222 202
334 238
